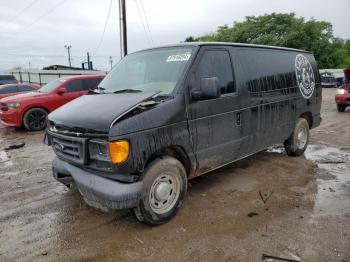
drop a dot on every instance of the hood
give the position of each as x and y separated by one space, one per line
96 112
22 96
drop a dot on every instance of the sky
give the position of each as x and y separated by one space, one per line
33 33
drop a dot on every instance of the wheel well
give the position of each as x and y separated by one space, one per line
308 117
176 152
47 111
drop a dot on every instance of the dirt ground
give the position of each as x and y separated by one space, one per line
306 214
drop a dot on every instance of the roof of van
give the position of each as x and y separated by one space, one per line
233 44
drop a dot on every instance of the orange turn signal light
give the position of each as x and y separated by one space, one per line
119 151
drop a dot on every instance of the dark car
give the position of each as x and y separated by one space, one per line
7 79
328 80
13 89
165 115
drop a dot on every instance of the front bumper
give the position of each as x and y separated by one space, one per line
343 99
99 192
11 118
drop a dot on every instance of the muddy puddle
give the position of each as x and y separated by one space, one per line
333 177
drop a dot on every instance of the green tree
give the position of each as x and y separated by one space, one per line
289 31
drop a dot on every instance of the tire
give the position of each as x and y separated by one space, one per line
35 119
341 108
165 177
297 143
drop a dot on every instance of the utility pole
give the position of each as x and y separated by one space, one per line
111 62
68 47
89 62
123 29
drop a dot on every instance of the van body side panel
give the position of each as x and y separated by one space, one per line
313 104
272 99
267 77
152 131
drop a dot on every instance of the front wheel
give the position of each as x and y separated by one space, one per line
341 108
35 119
164 189
297 143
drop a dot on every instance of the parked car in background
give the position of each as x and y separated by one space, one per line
13 89
328 80
7 79
30 109
342 98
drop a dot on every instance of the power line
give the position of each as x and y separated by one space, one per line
44 15
23 10
149 30
143 24
104 29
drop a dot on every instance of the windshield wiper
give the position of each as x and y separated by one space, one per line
127 91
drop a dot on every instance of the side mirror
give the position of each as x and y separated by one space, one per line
61 90
209 89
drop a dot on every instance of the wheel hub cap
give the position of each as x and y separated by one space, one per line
162 191
302 138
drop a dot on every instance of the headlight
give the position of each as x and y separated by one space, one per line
341 91
99 150
118 151
13 105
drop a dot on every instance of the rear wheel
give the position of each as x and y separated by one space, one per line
341 108
297 143
35 119
164 189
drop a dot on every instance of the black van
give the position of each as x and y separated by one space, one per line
165 115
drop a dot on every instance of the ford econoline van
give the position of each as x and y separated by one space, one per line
165 115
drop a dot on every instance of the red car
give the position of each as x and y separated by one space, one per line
13 89
342 98
31 109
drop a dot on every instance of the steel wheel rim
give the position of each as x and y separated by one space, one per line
302 138
36 120
164 193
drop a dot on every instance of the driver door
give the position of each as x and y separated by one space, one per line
215 124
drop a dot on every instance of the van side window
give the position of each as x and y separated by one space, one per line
91 83
217 63
75 86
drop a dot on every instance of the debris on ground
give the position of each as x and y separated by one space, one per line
139 240
265 256
265 197
15 146
252 214
331 190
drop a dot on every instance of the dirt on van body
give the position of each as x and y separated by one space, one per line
296 208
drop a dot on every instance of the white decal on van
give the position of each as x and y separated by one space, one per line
179 57
305 76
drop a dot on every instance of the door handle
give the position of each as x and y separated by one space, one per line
238 119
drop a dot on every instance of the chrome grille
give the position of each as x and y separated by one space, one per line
73 149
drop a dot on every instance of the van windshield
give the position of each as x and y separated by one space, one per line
51 86
156 70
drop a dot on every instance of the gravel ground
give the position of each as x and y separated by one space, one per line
306 215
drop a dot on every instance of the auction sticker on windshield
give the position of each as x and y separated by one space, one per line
178 57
